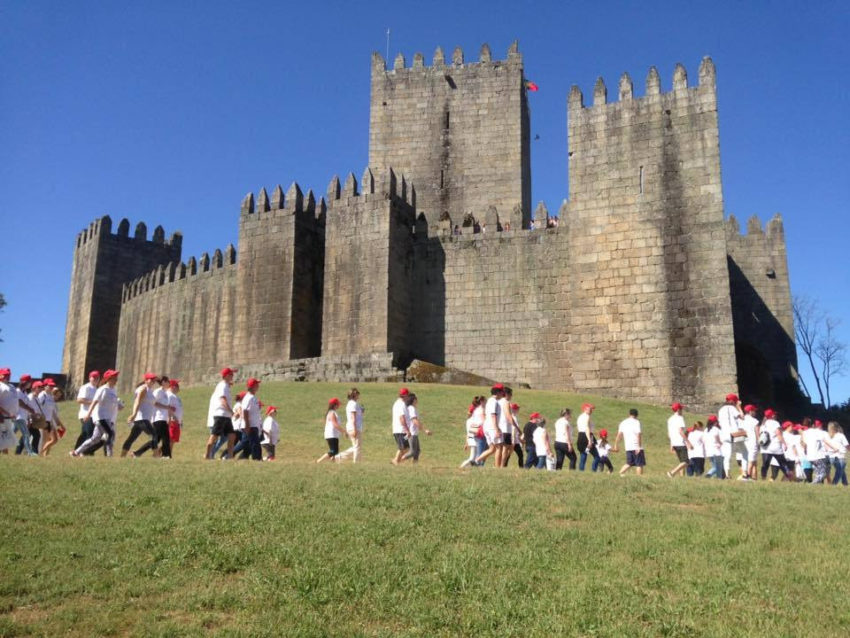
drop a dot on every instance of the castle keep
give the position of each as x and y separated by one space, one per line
642 291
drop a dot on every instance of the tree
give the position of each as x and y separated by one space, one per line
816 333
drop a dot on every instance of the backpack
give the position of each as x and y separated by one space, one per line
764 438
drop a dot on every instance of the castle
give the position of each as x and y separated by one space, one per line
642 291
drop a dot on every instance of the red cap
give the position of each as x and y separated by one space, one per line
534 415
333 403
787 424
750 408
498 386
712 419
174 383
769 413
403 392
270 409
226 372
603 432
585 406
818 423
252 383
514 406
732 397
24 378
109 374
150 375
677 406
94 374
36 385
240 395
49 382
5 372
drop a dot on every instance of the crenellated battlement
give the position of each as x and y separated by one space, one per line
773 231
293 202
625 90
101 228
388 185
440 64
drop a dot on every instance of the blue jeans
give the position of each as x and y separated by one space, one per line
254 444
222 440
840 474
716 470
21 426
530 457
541 462
480 448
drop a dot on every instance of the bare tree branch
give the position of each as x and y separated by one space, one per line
807 321
831 353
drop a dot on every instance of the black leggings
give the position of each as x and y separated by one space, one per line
139 427
698 465
765 463
518 451
604 460
563 450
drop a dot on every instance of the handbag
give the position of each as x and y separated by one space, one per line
38 421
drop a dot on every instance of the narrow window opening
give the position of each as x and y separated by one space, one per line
641 180
441 179
446 123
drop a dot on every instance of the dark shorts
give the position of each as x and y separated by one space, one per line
681 453
401 442
507 439
333 447
222 426
637 459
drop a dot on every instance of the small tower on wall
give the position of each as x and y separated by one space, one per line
103 263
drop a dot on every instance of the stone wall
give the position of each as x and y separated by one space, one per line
368 246
459 131
650 308
761 307
103 262
179 320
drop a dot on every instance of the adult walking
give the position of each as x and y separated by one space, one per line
750 425
528 435
630 432
252 419
678 442
816 445
26 408
48 407
9 404
772 446
415 426
353 427
506 424
492 418
732 436
564 440
333 431
586 442
840 445
220 414
103 411
400 427
85 395
540 437
141 416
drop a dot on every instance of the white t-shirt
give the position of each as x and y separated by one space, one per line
712 442
107 404
236 419
729 419
792 445
271 431
471 429
9 400
412 414
584 424
23 415
86 393
399 417
772 427
839 441
749 425
216 409
604 449
630 429
250 411
492 413
146 403
175 402
160 395
697 449
48 406
562 430
505 419
540 441
331 430
675 427
353 407
478 415
813 438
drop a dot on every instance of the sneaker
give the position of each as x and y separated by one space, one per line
73 454
669 475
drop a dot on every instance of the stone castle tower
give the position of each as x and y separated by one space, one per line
643 290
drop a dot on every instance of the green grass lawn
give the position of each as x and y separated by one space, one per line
150 547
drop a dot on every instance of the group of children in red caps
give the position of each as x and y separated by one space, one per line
29 416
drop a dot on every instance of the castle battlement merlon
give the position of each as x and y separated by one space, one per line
390 186
101 229
707 84
293 202
773 231
485 57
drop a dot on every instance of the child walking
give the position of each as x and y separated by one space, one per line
604 449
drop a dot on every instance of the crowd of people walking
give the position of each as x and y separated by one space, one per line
241 427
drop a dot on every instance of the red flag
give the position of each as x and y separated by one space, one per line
531 86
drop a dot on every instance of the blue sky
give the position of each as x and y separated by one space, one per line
169 112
